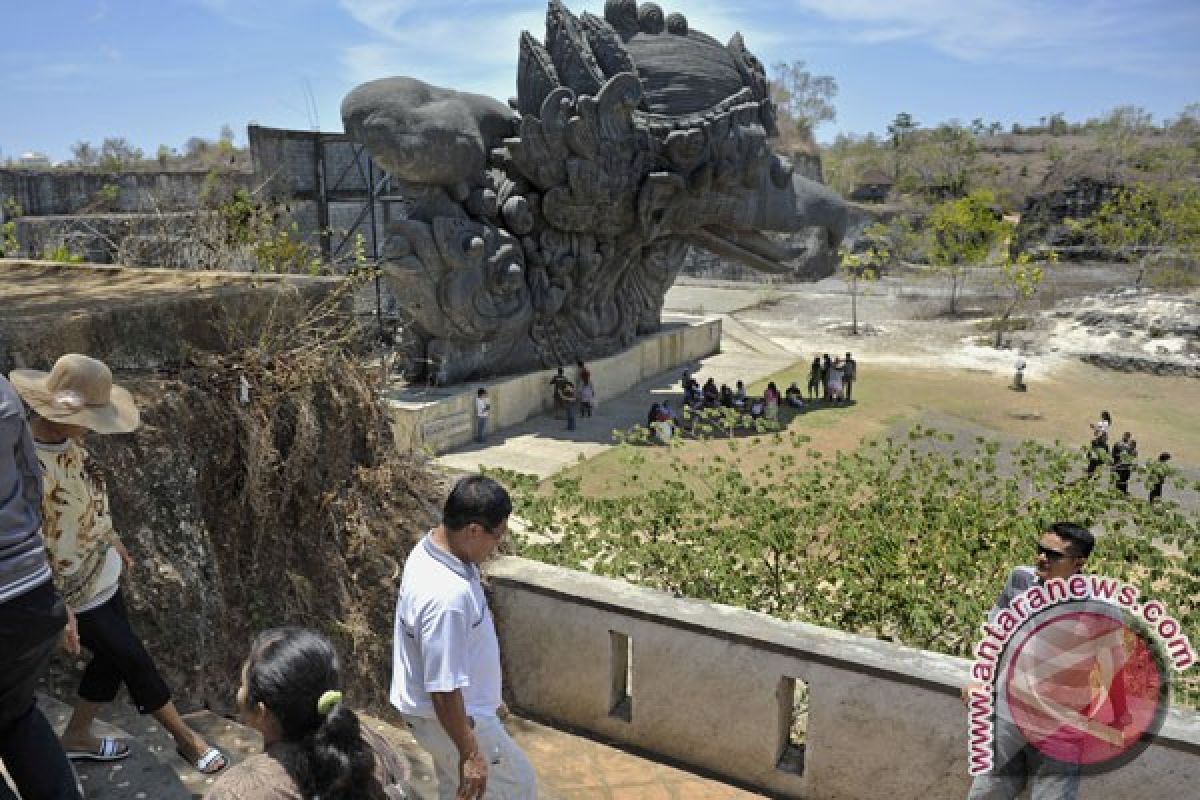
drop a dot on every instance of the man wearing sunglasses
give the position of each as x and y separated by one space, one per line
1062 552
446 658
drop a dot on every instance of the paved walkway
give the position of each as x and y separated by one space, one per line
543 446
568 767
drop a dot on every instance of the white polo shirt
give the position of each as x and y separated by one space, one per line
444 637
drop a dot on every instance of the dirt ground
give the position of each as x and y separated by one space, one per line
917 364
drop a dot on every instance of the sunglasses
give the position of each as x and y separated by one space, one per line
1053 555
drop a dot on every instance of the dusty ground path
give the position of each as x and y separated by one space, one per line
915 367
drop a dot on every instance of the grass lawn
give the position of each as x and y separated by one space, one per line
1159 411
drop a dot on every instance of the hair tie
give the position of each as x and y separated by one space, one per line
327 701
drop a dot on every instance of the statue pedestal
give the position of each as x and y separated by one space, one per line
441 418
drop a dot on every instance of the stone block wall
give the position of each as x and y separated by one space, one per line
47 192
712 686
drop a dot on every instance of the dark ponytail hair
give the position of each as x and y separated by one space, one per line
288 670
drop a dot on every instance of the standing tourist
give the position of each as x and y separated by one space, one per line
814 378
1158 476
75 398
1062 551
446 678
483 409
587 397
556 385
32 617
1124 455
826 365
834 380
313 744
567 399
1098 450
849 375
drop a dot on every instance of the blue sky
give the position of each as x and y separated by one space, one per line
159 71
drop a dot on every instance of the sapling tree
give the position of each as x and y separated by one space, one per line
1020 279
804 99
964 232
866 264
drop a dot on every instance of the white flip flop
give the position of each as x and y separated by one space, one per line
110 749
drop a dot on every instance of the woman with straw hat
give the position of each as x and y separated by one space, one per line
77 397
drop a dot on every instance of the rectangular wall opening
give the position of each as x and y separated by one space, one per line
793 724
620 701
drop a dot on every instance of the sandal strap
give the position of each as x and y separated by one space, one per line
208 759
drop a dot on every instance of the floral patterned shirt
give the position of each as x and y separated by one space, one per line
76 522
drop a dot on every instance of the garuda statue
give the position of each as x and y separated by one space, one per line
549 229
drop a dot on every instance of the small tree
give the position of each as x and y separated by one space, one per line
1020 279
9 211
941 163
805 99
85 154
116 152
902 129
964 232
864 266
164 155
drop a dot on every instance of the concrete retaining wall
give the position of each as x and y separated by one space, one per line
708 688
439 419
41 193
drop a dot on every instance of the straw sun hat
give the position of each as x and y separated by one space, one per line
78 391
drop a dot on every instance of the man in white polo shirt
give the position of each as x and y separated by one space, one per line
446 659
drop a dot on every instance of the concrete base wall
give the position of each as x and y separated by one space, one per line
708 688
440 419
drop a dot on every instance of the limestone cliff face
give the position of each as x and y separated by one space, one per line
291 509
1071 192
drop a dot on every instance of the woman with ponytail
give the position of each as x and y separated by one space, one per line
314 746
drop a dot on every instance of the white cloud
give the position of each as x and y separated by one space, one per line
1108 33
475 49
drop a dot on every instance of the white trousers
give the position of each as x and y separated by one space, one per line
510 775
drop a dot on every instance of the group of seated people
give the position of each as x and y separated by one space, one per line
663 420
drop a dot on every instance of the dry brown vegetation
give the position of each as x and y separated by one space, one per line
291 507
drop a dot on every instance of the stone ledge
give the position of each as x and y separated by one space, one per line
439 419
886 660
